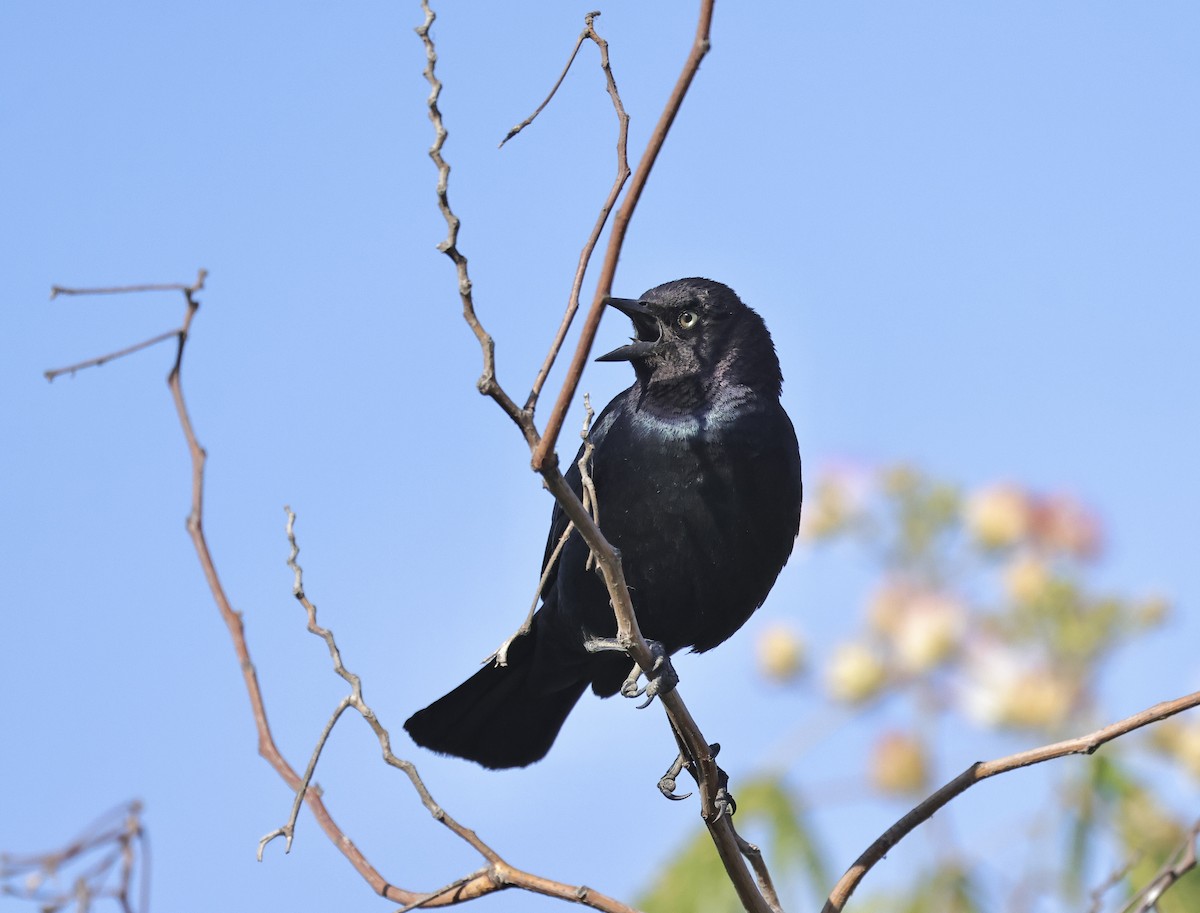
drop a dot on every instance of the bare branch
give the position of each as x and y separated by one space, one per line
487 383
99 864
982 770
563 75
57 290
589 246
118 290
1181 862
616 239
120 353
765 885
1114 879
497 874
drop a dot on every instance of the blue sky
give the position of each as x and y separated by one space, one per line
972 229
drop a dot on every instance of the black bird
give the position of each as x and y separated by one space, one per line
697 474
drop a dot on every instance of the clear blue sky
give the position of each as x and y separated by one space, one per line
972 228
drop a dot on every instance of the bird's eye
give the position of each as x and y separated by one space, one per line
688 319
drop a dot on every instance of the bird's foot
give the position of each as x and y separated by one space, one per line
661 679
666 783
723 803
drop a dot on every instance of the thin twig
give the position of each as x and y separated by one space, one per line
616 239
120 353
561 76
1182 861
589 247
982 770
487 383
288 830
591 501
497 874
1114 879
57 290
99 864
765 885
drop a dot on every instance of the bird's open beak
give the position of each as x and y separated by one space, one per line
649 330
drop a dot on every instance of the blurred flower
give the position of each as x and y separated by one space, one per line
929 630
1179 739
899 763
1042 699
781 653
920 626
840 495
855 672
899 479
1062 524
999 516
1026 578
887 603
1004 688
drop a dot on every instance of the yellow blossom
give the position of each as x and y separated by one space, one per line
855 672
781 653
1026 578
899 764
999 516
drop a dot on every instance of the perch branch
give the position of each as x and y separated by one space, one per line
545 460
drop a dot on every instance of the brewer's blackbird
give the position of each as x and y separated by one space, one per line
697 474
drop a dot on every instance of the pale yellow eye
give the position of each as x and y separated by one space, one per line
688 319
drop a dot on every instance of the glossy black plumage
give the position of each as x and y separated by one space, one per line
697 472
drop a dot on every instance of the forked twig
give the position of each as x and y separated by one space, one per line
589 247
700 46
99 864
498 874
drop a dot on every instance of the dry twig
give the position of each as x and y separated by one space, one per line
982 770
498 874
1181 862
99 864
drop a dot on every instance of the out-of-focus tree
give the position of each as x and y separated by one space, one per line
983 620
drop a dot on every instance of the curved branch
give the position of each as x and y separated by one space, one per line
982 770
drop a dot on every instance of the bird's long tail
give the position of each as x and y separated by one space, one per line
498 717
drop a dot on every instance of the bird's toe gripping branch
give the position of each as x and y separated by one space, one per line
661 679
722 802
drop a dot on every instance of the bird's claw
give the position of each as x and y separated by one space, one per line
661 679
630 687
666 783
666 786
724 804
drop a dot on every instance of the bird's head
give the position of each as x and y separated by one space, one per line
697 334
